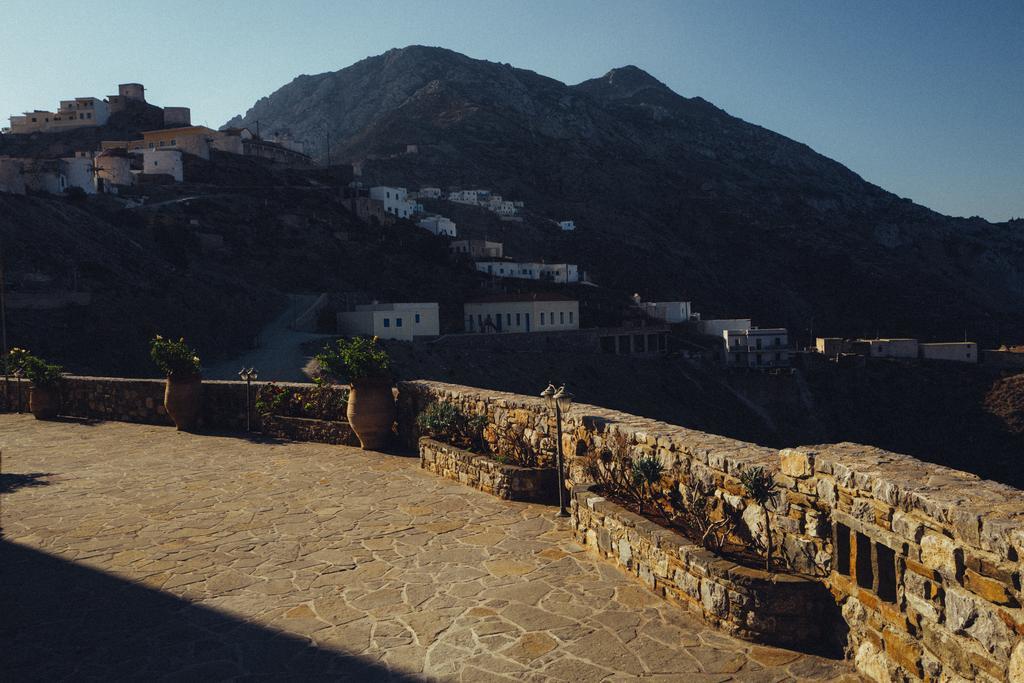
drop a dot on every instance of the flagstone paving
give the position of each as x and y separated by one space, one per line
139 552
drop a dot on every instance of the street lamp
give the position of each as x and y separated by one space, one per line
18 374
559 401
248 375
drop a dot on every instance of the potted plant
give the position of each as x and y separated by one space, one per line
183 391
366 368
45 378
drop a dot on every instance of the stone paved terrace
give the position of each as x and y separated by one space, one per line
140 552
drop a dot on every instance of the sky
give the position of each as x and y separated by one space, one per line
923 98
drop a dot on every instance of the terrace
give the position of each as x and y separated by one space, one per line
134 550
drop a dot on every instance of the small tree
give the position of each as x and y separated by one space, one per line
762 488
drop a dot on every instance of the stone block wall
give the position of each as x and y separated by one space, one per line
510 482
750 603
924 561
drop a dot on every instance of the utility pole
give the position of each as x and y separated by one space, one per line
3 306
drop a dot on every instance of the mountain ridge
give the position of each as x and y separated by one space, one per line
675 197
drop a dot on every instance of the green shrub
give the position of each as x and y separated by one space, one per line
326 402
350 360
446 422
760 485
36 370
174 358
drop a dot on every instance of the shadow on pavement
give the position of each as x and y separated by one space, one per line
62 620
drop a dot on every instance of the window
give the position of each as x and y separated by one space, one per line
398 322
508 319
778 356
561 317
517 319
862 568
151 145
886 563
174 142
570 317
387 322
841 544
542 318
417 318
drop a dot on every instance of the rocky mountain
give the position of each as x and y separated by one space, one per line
673 196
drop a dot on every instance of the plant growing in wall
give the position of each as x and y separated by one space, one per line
694 505
183 391
761 487
446 422
322 402
646 472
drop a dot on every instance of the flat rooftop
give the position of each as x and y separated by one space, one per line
139 551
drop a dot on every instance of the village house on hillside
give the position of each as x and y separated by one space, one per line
438 225
561 273
757 348
477 249
402 321
527 312
396 200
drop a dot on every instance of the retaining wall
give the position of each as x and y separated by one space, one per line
510 482
924 561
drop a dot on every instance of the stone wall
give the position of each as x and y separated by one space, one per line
305 429
924 561
781 609
142 400
510 482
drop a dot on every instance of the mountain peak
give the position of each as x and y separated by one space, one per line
623 82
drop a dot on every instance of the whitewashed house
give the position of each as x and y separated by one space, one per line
430 193
80 173
716 326
163 162
77 113
899 347
669 311
960 352
567 226
439 225
402 321
522 313
562 273
396 200
501 206
757 348
472 197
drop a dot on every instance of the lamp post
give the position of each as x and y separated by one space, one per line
559 401
248 375
18 374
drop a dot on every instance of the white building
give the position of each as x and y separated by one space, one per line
561 273
472 197
439 225
669 311
522 313
402 321
961 352
757 348
396 200
430 193
163 162
79 172
715 327
567 226
11 178
113 169
888 348
500 206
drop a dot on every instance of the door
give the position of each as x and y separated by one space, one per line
527 322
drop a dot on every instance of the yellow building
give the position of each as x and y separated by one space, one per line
190 139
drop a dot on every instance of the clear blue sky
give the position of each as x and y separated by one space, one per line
925 98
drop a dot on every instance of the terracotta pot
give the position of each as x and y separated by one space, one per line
371 411
182 399
44 402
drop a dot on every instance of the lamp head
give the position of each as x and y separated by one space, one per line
549 395
564 398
